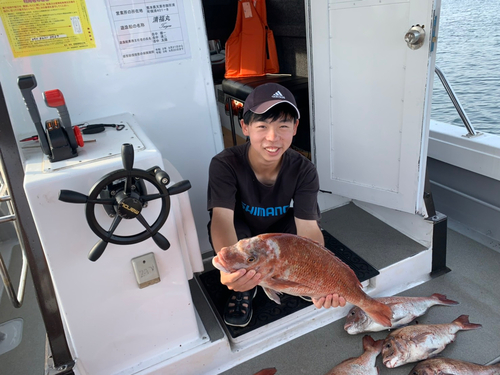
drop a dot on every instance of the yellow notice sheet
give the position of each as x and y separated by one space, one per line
36 27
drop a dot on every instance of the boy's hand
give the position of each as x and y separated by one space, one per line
241 280
331 300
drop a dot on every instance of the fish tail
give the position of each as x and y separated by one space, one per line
443 300
379 312
369 344
463 322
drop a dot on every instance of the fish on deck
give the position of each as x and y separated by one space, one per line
364 364
453 366
421 341
267 371
404 310
299 266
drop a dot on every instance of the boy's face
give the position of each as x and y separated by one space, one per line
269 139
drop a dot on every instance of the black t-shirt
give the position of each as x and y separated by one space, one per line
232 184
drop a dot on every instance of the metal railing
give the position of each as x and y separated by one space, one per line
471 131
13 174
15 298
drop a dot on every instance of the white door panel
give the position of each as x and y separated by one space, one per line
368 95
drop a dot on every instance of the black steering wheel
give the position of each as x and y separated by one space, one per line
123 195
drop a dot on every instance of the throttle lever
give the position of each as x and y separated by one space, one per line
26 84
55 99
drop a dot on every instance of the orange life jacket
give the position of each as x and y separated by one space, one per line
251 49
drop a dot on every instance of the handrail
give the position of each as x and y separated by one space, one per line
15 298
456 102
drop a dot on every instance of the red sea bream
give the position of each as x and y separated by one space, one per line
418 342
301 267
453 366
404 310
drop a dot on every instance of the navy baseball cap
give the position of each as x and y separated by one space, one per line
266 96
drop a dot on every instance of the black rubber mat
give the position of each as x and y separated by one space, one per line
266 311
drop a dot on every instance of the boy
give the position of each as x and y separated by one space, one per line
252 186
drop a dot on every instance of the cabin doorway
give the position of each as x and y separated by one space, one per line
287 20
369 82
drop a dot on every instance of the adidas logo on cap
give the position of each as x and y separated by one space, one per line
278 95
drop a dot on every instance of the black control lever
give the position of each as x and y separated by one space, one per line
55 99
26 84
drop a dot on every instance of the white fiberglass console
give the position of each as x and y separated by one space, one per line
129 307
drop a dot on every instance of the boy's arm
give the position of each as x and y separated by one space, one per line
309 229
222 228
223 234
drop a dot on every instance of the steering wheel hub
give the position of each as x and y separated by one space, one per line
129 208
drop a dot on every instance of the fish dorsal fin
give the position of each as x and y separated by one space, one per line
272 295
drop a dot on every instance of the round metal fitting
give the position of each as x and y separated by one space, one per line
415 37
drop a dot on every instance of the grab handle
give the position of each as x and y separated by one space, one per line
15 298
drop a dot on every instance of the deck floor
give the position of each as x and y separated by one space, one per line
473 281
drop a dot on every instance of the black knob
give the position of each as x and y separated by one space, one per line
71 196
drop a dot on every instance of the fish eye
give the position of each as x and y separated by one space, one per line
388 346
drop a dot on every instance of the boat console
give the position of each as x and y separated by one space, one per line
127 307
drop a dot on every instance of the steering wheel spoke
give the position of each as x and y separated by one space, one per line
161 241
144 223
114 225
96 251
102 201
151 197
128 184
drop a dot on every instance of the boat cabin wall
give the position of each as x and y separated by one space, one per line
172 100
175 101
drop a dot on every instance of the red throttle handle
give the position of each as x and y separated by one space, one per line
54 98
78 136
